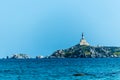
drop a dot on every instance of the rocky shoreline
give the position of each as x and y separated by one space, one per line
80 51
77 51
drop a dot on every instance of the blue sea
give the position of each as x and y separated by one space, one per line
60 69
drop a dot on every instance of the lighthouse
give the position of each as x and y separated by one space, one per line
83 42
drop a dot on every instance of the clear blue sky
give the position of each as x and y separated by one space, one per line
39 27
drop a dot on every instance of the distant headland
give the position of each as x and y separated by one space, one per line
85 50
81 50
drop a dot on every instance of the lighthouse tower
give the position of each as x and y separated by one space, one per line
83 42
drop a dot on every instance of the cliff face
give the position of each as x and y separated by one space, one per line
78 51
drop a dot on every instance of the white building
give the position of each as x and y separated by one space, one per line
83 42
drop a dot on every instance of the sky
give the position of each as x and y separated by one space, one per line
40 27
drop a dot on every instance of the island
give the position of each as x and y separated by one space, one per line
81 50
84 50
19 56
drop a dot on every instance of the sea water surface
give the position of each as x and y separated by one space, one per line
60 69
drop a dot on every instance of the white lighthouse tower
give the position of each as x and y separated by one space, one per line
83 42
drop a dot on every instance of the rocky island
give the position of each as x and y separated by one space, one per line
84 50
19 56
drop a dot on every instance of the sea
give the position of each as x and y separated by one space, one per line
60 69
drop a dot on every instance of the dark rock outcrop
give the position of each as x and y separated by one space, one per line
78 51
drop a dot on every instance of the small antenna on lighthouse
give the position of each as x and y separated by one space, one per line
82 35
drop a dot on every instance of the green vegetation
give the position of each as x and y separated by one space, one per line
78 51
116 53
68 54
87 53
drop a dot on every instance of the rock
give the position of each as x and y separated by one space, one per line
79 51
20 56
7 57
83 74
39 57
79 74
